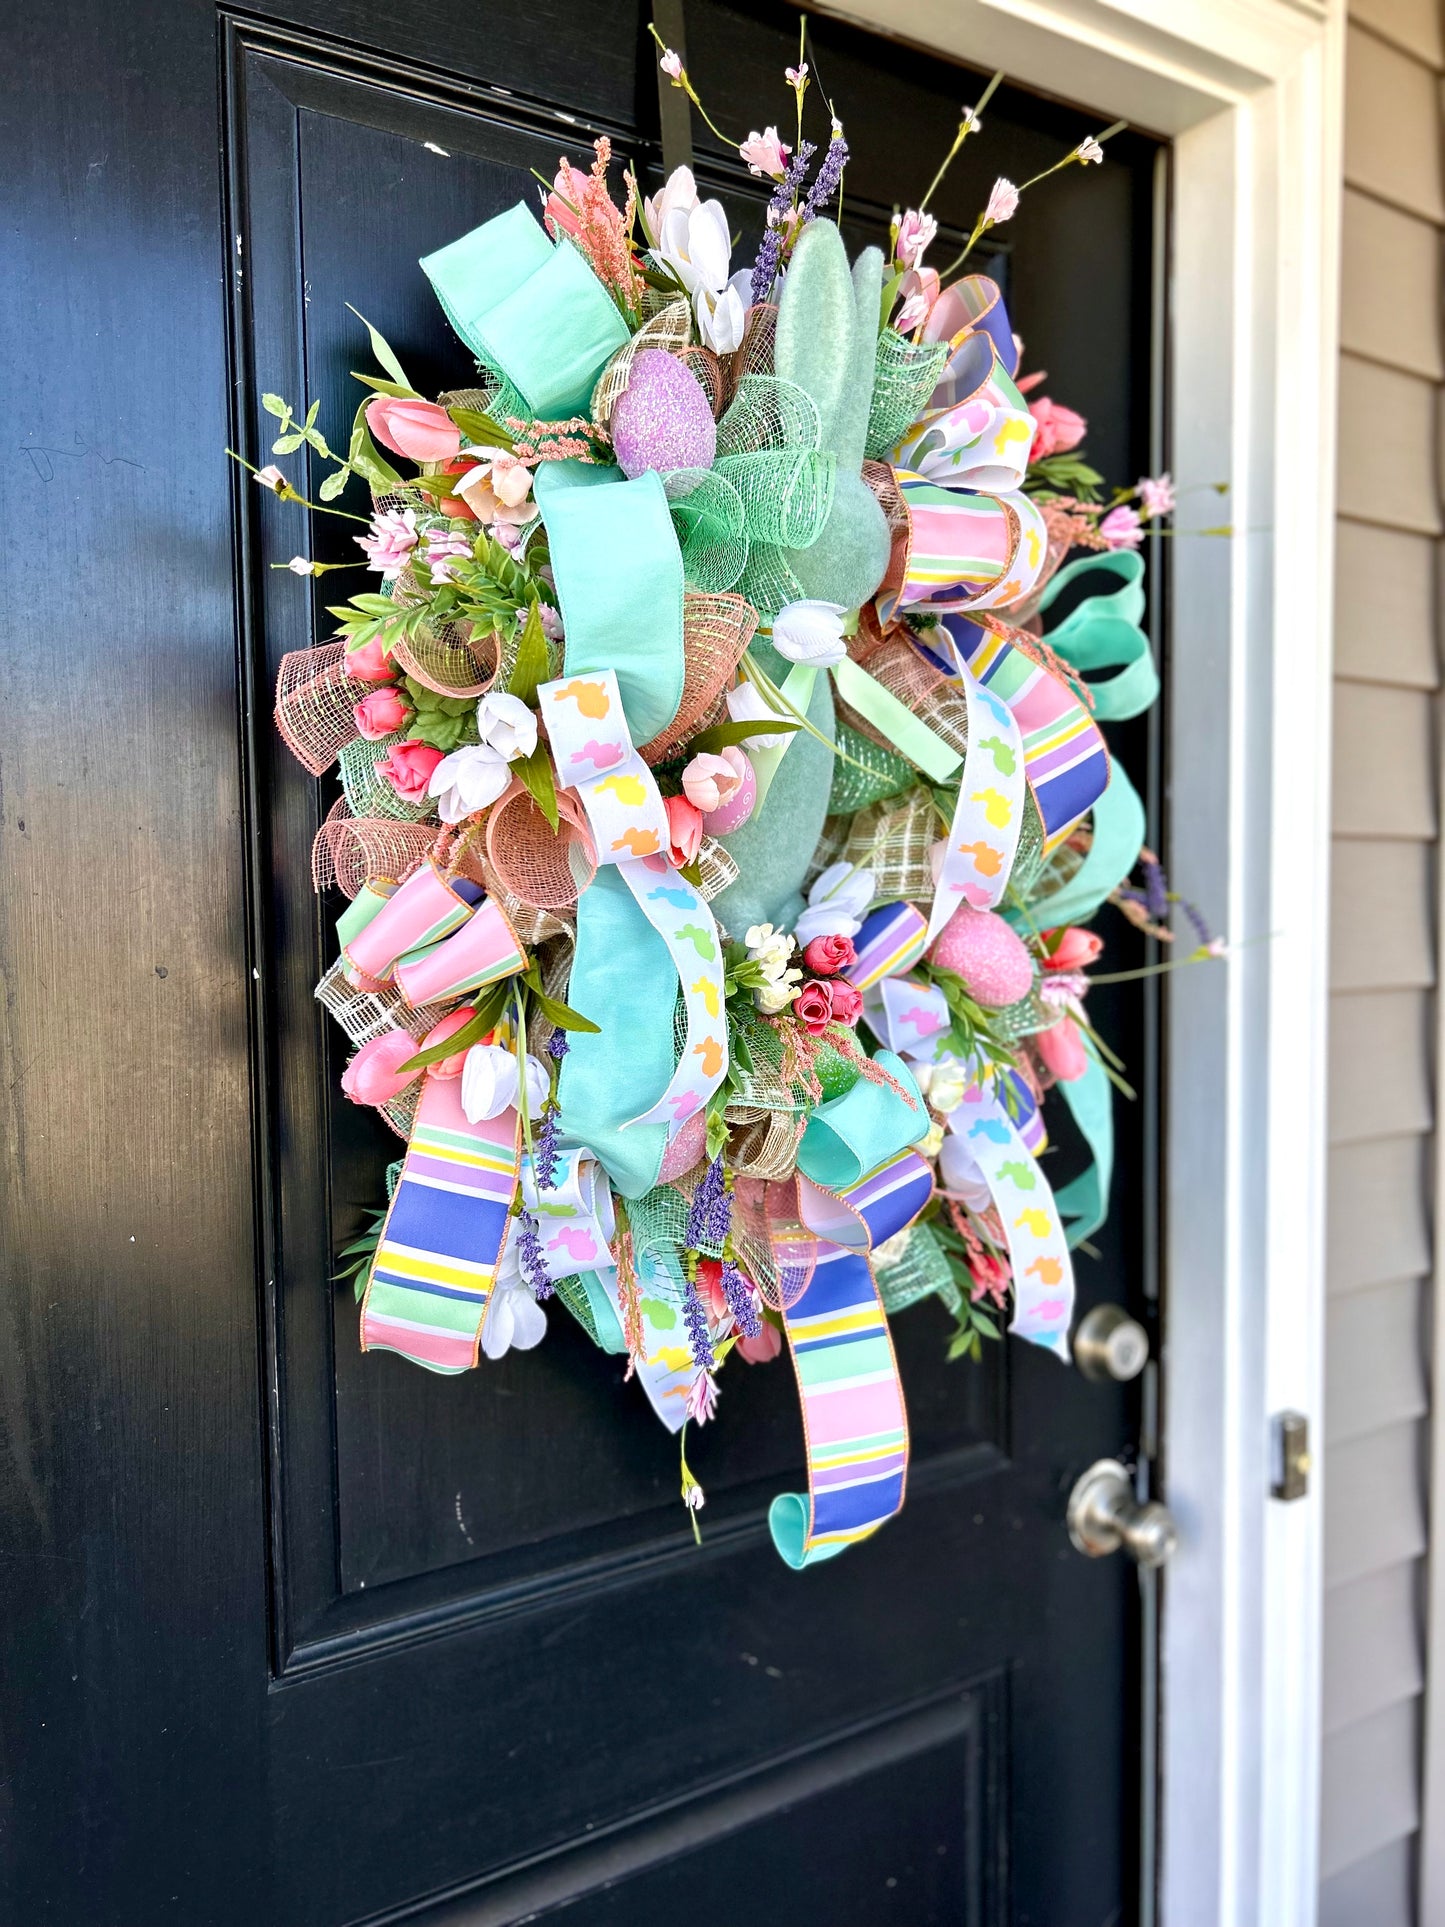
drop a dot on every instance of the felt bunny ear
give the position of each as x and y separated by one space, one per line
817 321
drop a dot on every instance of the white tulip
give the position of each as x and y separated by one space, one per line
467 780
515 1321
679 193
746 704
836 903
811 632
961 1174
507 725
947 1086
721 317
490 1084
696 245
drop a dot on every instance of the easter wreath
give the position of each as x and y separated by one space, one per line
721 815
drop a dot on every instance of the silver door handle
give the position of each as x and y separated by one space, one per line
1110 1344
1104 1515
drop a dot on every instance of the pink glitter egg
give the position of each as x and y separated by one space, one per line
686 1149
993 962
662 419
739 807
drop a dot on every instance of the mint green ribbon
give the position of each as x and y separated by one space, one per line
852 1135
1103 633
537 316
533 311
1084 1201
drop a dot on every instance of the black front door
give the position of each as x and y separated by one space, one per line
303 1637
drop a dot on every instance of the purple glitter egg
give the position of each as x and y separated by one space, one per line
662 419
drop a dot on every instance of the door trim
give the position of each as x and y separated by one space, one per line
1251 93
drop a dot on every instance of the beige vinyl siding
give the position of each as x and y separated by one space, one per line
1375 1438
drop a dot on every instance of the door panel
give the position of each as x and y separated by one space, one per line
498 1667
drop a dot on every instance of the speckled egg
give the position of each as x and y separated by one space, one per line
739 807
992 961
662 419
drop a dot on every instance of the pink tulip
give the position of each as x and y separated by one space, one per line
381 714
1056 428
710 781
408 768
420 430
1074 949
1062 1048
684 829
369 663
915 236
565 202
765 154
439 1033
767 1344
374 1075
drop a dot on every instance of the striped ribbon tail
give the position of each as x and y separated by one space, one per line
1065 760
437 1256
890 940
854 1421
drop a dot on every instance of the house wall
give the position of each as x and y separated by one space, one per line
1374 1851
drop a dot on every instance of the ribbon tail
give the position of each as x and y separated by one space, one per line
1043 1272
1085 1199
983 838
431 1279
680 917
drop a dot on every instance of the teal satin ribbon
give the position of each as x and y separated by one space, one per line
537 315
1103 633
853 1134
1084 1201
534 312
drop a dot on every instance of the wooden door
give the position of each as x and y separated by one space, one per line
300 1636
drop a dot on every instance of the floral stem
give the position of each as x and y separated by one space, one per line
965 128
289 494
687 87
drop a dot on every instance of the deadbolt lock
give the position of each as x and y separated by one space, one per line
1108 1343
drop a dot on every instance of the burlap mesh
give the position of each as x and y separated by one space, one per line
546 868
315 705
716 629
884 773
893 839
532 925
400 1111
448 659
350 851
905 374
364 1014
921 1268
719 375
369 794
715 869
669 329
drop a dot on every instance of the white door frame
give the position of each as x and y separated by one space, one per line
1251 93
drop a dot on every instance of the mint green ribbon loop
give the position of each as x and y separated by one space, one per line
1103 633
532 311
1084 1201
853 1134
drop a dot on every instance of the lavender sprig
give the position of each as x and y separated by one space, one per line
739 1295
529 1255
544 1151
699 1337
1156 888
710 1213
827 179
785 194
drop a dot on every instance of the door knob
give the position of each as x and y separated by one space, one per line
1110 1344
1104 1515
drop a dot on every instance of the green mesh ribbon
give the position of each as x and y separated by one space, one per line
570 1291
921 1270
885 774
367 793
769 489
905 375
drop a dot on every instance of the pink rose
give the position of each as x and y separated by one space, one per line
1062 1049
767 1344
826 956
710 781
1056 428
1121 528
408 768
374 1075
847 1002
439 1033
420 430
684 829
1074 949
382 713
565 202
369 663
813 1007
